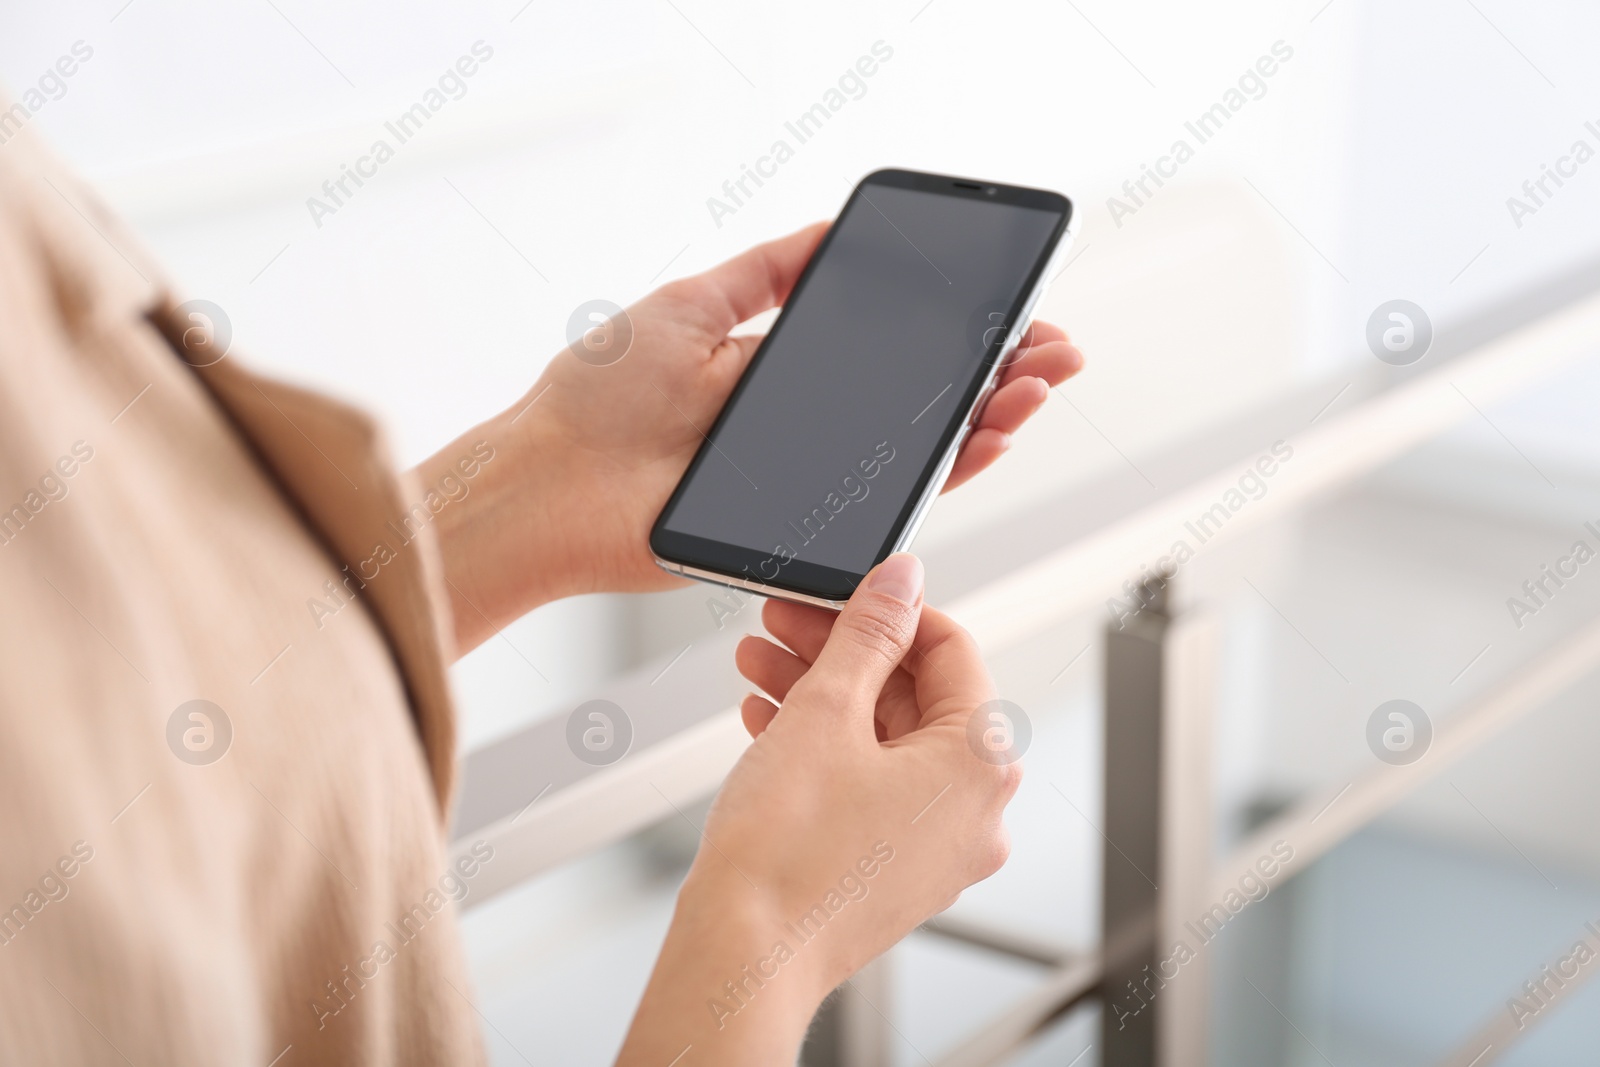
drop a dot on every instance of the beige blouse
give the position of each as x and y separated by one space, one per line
221 809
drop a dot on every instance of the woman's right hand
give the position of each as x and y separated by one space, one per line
859 811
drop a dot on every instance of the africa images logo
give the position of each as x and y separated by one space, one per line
199 732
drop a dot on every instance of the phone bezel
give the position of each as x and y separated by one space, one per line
737 566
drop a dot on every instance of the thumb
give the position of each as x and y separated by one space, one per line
753 281
872 634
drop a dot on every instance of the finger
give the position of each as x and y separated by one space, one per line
1041 333
769 668
947 667
750 282
1054 362
803 628
981 450
757 713
1013 404
870 638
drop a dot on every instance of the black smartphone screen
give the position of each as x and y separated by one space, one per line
820 455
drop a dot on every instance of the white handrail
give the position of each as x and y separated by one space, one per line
1326 457
1317 824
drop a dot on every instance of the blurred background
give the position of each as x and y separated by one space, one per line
1395 152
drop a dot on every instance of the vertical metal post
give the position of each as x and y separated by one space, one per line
1131 871
1189 689
1157 834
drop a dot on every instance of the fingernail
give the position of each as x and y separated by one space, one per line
899 576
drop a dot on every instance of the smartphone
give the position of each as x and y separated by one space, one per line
838 438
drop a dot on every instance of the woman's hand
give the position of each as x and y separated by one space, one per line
585 461
860 810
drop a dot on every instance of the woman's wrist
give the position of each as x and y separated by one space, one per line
499 534
733 982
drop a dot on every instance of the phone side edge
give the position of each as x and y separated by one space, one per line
935 487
